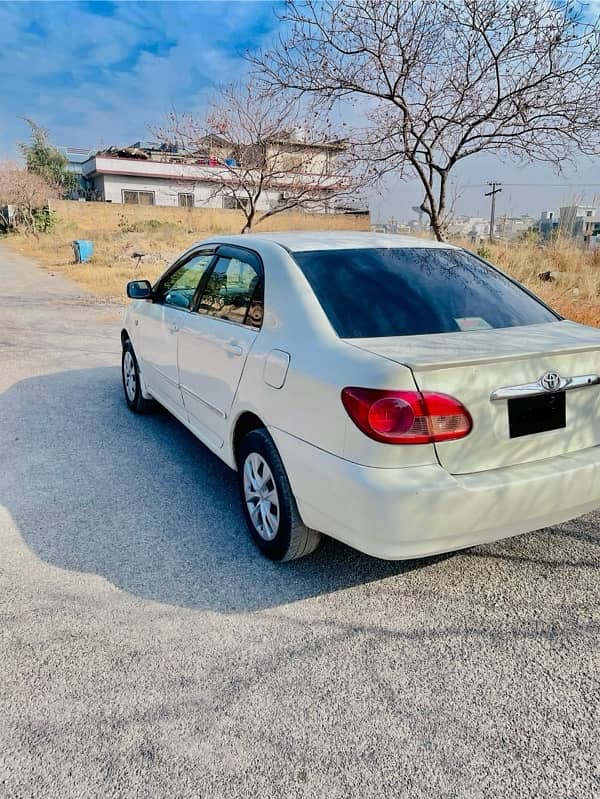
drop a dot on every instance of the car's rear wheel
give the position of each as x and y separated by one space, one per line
130 373
268 503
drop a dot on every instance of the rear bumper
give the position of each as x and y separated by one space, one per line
417 511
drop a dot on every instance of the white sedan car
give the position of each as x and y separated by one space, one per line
402 396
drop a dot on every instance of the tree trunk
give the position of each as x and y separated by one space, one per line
437 227
434 207
249 220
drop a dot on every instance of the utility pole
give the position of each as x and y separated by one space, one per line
494 184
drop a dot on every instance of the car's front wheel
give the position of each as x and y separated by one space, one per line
130 373
268 503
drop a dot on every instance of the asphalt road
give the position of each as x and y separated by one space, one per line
148 650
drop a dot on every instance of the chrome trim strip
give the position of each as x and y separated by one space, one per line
163 376
536 389
216 410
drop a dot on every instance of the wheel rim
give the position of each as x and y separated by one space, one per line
129 376
260 493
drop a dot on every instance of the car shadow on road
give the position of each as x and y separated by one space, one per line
139 501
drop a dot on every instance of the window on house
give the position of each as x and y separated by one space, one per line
138 197
186 200
232 203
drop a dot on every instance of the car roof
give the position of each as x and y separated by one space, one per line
305 241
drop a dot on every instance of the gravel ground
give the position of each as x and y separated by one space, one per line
148 650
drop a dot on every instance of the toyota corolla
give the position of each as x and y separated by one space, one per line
402 396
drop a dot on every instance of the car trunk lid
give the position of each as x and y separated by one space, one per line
471 366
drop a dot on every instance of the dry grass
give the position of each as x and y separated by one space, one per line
111 266
118 231
574 292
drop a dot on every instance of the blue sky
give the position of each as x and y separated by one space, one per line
99 73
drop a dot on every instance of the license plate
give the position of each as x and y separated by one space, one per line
529 415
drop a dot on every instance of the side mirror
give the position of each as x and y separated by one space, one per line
139 290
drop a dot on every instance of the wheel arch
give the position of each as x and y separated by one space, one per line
244 424
124 336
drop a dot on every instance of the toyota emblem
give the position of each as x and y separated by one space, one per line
550 381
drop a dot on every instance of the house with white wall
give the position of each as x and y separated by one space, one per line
151 174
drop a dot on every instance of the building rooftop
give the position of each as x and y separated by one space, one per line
76 155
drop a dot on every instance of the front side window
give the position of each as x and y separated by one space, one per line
179 287
234 291
376 292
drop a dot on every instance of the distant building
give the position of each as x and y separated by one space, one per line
514 227
392 225
149 173
76 157
477 228
548 224
474 228
579 222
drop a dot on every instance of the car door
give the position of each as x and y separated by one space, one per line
157 326
214 340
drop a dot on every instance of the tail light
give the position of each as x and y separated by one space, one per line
406 417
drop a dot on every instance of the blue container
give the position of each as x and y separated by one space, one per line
231 162
83 250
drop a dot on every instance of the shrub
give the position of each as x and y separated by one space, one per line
44 219
152 224
28 193
125 226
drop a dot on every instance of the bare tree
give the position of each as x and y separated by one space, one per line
266 157
443 80
27 192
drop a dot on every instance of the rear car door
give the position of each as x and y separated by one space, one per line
157 325
215 339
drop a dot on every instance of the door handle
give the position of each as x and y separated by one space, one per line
233 349
173 327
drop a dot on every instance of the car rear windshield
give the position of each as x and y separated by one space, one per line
368 293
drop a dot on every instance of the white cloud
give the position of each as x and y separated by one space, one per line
95 79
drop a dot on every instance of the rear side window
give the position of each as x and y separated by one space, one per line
369 293
234 291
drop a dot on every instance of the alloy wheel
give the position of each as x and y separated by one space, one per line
129 376
260 494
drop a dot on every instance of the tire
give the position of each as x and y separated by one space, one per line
274 524
130 374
